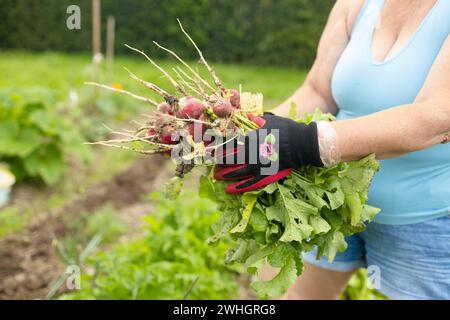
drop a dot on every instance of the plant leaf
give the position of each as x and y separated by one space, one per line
248 202
280 283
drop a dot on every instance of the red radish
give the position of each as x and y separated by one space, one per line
151 133
196 130
182 102
193 109
166 135
205 119
223 109
196 126
204 128
235 98
258 120
165 108
161 122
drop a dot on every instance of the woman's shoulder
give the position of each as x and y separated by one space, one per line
351 10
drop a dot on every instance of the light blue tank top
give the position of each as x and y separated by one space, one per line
415 187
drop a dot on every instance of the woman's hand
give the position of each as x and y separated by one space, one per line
269 154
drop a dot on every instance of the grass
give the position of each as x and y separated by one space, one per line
81 229
70 71
106 223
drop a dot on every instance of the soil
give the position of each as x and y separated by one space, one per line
29 265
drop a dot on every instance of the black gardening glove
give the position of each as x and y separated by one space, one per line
269 154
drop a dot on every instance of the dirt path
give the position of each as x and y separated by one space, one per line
29 265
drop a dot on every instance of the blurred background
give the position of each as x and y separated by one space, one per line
78 222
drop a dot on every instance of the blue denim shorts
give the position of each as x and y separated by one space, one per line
413 260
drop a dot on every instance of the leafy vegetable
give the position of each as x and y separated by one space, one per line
311 207
171 257
35 139
359 288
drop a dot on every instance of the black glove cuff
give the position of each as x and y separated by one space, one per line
305 145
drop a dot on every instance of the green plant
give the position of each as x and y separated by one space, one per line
71 255
106 223
311 207
85 233
359 289
82 228
36 137
10 221
173 259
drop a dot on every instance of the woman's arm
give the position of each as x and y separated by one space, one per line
316 90
403 129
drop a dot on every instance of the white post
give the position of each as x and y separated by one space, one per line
96 27
110 35
96 41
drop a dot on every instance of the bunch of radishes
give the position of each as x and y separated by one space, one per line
197 106
192 113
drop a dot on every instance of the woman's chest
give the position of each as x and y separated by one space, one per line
397 23
362 85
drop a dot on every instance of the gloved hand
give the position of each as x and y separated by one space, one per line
269 154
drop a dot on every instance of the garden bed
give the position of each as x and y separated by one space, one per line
29 264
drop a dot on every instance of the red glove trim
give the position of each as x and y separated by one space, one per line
233 188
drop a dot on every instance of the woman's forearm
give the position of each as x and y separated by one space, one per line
393 132
307 100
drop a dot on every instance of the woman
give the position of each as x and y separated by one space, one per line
383 66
